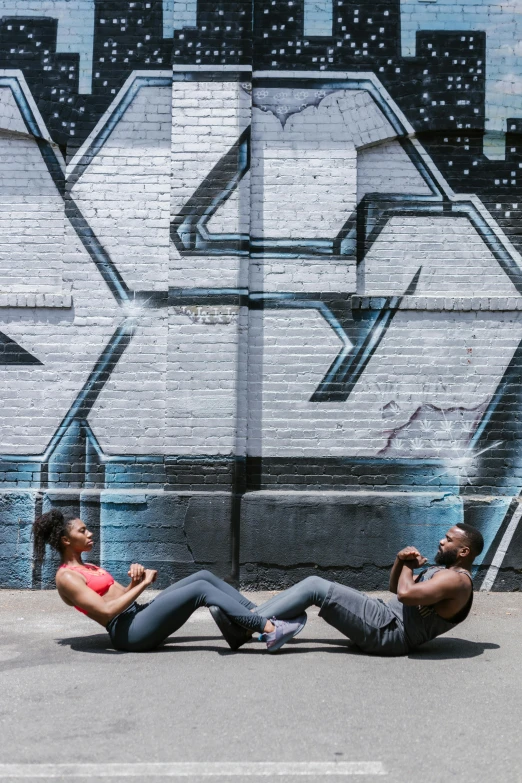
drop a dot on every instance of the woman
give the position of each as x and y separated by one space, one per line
141 627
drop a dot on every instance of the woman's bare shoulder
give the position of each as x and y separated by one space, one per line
66 576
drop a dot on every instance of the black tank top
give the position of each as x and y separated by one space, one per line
422 623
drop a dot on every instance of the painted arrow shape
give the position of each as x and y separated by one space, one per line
12 353
340 380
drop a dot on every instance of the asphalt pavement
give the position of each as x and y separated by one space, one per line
72 708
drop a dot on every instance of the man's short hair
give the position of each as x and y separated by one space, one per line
473 537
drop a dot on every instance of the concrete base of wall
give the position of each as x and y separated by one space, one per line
17 511
176 533
350 537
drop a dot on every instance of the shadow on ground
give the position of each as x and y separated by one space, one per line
438 649
451 647
100 644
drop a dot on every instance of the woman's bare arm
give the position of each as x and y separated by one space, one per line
136 573
73 589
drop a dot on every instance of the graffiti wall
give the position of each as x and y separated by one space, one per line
261 283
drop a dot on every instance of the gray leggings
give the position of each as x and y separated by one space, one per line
142 627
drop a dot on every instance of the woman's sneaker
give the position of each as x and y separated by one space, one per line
284 631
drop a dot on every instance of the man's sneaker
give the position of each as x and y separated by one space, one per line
235 635
284 631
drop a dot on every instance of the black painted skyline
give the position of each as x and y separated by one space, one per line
441 89
128 36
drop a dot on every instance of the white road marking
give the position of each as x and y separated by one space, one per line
187 769
497 561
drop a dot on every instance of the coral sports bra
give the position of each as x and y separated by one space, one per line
97 579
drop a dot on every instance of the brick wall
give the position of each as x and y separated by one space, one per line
260 286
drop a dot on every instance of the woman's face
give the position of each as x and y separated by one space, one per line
78 537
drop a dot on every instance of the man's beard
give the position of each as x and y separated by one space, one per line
447 558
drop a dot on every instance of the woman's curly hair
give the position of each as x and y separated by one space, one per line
48 529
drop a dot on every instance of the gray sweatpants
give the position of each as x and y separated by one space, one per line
367 622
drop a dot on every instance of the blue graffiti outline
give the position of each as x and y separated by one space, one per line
417 203
288 301
346 369
124 332
89 240
220 244
189 228
88 394
112 120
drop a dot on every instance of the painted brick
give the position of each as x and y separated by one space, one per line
252 253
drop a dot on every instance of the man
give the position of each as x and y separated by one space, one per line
424 607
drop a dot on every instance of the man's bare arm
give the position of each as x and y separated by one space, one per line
395 574
445 584
409 554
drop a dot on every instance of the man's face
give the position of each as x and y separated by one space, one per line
450 547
